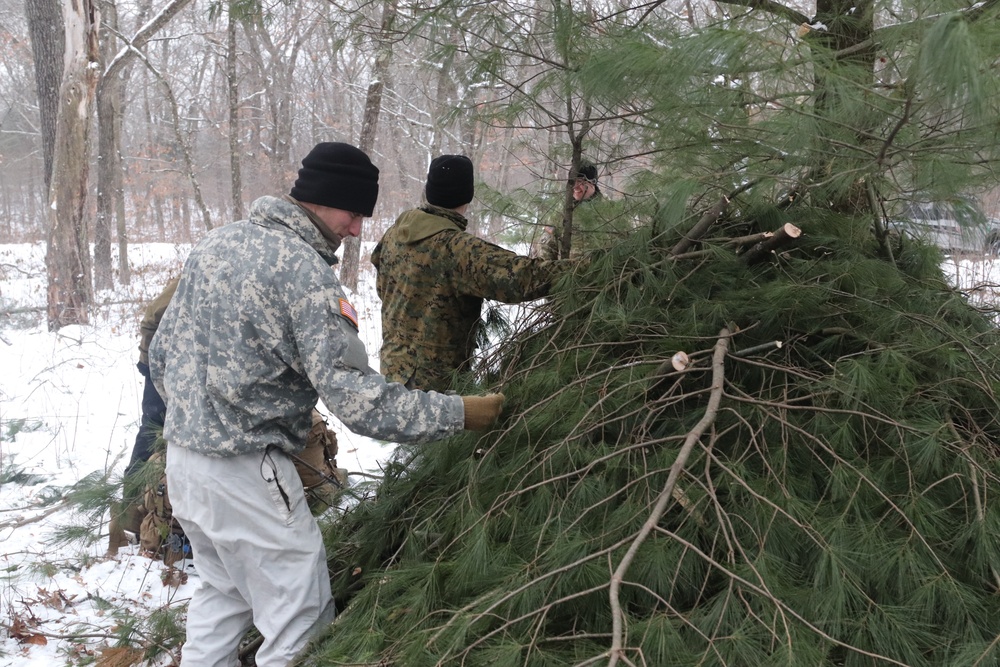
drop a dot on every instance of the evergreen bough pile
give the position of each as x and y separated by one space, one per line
828 501
814 480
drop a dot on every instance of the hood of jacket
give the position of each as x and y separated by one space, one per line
422 223
288 213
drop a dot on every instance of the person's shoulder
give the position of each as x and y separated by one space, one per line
459 240
482 255
229 234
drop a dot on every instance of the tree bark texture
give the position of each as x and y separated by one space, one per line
577 130
373 108
67 257
45 23
109 100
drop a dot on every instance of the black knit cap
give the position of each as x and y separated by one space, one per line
450 181
588 172
338 175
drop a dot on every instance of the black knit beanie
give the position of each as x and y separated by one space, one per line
338 175
588 172
450 181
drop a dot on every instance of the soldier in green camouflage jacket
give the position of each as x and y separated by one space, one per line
433 277
128 515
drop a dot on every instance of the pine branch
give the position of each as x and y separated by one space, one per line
779 603
976 494
710 217
771 7
616 652
18 523
980 9
868 481
974 13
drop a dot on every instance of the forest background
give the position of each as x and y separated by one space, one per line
175 116
713 124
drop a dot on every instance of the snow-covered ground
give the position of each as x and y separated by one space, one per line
69 408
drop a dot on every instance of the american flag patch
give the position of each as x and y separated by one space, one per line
347 310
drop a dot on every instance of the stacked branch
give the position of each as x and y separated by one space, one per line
813 483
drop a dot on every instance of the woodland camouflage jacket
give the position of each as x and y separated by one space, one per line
151 319
257 329
432 279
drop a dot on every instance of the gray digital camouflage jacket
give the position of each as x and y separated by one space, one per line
257 329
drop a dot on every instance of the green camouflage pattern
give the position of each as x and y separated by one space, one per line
151 319
254 336
432 278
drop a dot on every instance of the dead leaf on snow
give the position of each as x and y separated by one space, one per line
56 599
173 577
20 628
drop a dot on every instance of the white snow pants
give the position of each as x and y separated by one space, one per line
258 553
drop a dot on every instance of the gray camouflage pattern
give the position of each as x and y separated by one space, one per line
254 335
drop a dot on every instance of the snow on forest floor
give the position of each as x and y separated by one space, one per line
69 408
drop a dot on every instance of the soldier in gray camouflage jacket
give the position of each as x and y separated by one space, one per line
258 329
433 277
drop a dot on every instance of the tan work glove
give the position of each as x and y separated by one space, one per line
482 411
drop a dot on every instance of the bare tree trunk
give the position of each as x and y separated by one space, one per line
118 187
236 175
110 199
48 43
373 108
109 100
277 76
577 129
67 257
161 224
182 143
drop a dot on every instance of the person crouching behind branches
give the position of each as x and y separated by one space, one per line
259 330
433 276
586 234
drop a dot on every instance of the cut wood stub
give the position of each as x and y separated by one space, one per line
680 361
782 236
